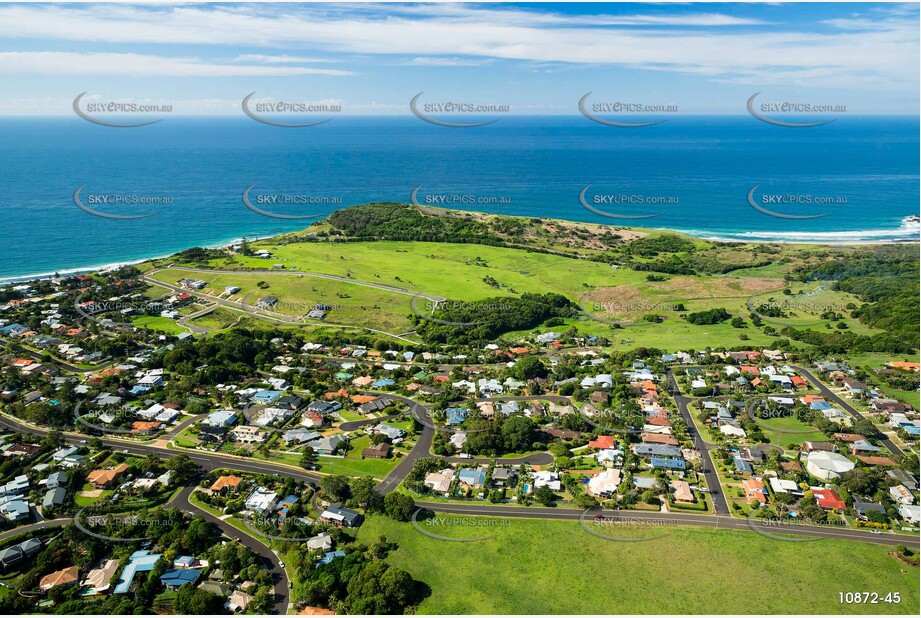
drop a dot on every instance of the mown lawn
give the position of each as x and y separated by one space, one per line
159 323
787 430
555 567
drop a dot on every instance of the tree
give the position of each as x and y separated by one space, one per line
362 490
335 487
876 517
308 458
517 434
191 601
399 506
379 589
544 496
528 367
54 440
182 469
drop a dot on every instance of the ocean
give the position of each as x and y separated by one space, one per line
729 178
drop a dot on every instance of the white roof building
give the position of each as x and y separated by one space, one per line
828 466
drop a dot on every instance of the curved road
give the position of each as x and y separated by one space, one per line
273 564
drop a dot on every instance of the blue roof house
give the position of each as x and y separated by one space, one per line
139 562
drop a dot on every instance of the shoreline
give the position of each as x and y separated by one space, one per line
908 227
81 270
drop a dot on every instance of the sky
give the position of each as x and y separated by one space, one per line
536 58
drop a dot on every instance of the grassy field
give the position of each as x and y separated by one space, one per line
159 323
872 362
474 272
541 567
788 430
218 319
355 305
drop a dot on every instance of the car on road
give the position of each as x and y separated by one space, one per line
281 564
465 456
875 532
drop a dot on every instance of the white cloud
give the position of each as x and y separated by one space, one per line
883 46
74 63
279 59
447 62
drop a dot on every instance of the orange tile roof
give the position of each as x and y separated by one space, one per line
104 477
360 399
59 578
520 350
340 393
828 499
602 442
228 480
316 611
659 438
754 490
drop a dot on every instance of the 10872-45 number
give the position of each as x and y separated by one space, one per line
871 598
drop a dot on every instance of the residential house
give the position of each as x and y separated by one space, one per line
439 482
65 577
605 484
341 516
261 501
103 479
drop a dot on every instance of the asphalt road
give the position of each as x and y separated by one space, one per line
720 506
829 394
272 563
658 519
421 449
46 523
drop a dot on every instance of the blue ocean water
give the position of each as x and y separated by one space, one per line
700 169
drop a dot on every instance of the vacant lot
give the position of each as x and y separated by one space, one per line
541 567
